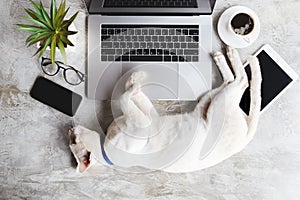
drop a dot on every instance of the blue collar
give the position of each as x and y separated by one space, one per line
105 157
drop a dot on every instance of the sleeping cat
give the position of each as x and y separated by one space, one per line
181 142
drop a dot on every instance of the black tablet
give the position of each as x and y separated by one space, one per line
277 77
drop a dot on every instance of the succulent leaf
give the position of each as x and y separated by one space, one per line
53 49
48 29
62 50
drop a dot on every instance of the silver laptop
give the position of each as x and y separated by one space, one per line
170 40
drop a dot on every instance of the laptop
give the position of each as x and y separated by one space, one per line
170 40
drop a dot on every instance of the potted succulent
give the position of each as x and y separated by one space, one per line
49 30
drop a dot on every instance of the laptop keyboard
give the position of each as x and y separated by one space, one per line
146 43
151 3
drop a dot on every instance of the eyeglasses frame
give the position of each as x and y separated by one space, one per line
59 65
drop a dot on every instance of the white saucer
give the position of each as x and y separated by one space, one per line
229 37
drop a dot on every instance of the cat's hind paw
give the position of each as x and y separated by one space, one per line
135 78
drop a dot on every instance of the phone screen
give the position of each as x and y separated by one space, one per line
56 96
274 80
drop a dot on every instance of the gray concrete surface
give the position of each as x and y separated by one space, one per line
35 161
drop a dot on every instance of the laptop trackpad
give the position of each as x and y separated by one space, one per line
161 81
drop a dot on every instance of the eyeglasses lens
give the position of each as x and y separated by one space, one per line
72 77
48 68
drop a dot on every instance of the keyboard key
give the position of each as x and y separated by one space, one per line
136 45
146 58
166 52
170 45
144 31
149 45
104 31
134 38
172 51
181 59
188 39
188 58
117 31
181 38
143 45
129 45
141 38
156 45
126 51
118 58
167 58
154 38
174 58
195 58
151 31
194 32
163 45
191 52
130 32
175 38
132 52
159 51
110 58
185 32
127 38
158 32
122 44
139 51
183 45
146 51
161 38
105 38
179 52
110 31
153 51
164 32
114 38
148 38
178 31
107 51
103 58
171 31
195 38
123 31
115 45
119 51
177 45
138 32
106 45
193 45
168 38
125 58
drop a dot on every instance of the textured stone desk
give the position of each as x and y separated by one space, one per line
35 161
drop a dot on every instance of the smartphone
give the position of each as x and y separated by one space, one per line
277 77
55 96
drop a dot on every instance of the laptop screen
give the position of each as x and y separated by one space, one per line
150 3
152 7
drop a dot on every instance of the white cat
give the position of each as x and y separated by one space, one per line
173 143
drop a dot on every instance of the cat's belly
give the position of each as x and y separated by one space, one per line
162 133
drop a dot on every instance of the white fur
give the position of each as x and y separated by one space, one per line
141 130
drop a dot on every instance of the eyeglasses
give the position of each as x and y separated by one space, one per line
71 75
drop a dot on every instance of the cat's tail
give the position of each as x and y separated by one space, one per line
135 77
255 96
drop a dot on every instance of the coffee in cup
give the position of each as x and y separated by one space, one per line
242 24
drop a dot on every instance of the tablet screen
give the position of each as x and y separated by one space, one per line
274 80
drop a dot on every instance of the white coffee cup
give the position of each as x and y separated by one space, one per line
244 24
